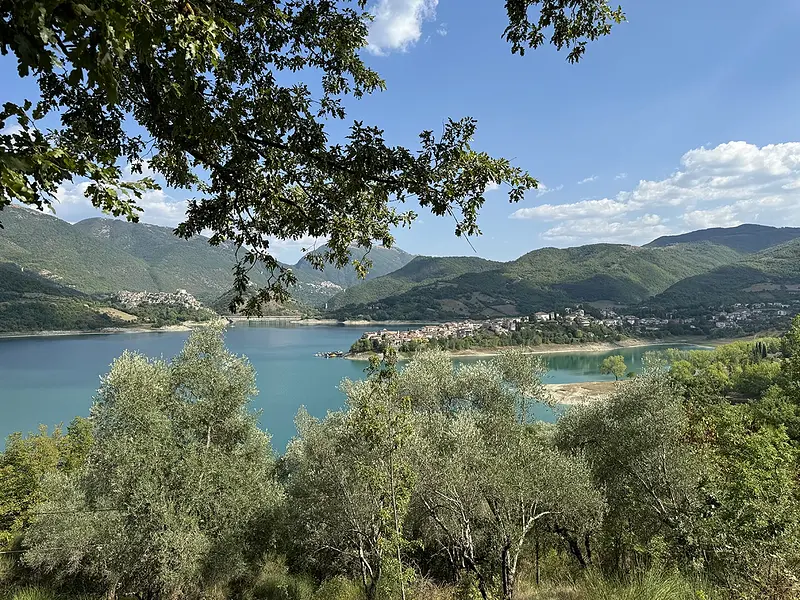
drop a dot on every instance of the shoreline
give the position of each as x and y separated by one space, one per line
298 320
584 392
590 348
183 327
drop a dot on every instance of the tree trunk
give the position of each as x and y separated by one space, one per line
508 572
572 544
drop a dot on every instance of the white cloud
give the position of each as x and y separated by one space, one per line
724 216
11 129
583 231
619 176
543 189
158 207
724 186
442 29
589 179
491 186
577 210
397 24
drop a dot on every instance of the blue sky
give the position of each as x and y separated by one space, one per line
686 116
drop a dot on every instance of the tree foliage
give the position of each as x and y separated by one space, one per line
176 484
614 365
213 89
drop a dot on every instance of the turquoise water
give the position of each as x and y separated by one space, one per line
51 380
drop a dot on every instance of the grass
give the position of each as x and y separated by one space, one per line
650 585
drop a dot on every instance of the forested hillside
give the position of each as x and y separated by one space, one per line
106 255
768 276
420 271
56 249
30 302
540 280
745 238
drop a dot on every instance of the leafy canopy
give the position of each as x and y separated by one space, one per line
198 91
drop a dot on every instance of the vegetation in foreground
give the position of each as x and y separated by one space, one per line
433 482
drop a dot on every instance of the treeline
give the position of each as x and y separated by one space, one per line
433 482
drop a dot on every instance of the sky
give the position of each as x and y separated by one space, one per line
687 116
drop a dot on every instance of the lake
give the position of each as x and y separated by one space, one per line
52 379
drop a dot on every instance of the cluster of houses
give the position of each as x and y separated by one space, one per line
498 326
739 314
729 317
179 298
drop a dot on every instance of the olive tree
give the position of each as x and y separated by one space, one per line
178 479
487 475
614 365
635 443
232 101
349 484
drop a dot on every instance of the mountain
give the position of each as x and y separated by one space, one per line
205 271
384 261
543 279
31 302
744 238
420 271
315 287
57 250
102 255
767 276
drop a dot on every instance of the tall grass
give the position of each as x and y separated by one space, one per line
650 585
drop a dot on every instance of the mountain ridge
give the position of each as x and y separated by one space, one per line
748 237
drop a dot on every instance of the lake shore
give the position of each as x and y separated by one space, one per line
187 326
593 347
571 394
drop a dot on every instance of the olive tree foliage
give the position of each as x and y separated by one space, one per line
791 361
233 102
178 480
751 528
487 476
635 444
24 464
349 485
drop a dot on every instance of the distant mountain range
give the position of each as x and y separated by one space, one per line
545 279
708 267
744 238
107 255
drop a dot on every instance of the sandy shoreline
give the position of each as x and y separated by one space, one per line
571 394
594 347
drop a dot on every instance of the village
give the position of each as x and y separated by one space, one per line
736 316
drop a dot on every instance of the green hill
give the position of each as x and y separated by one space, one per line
106 255
59 251
384 261
768 276
420 271
30 302
543 279
205 271
747 238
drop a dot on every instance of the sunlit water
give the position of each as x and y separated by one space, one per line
51 380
